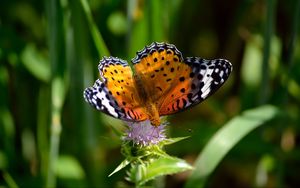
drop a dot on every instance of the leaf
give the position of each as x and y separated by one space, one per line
120 167
35 63
225 139
115 130
9 180
170 141
142 173
117 24
154 151
69 167
3 160
252 61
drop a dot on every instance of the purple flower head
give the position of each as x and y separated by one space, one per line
145 134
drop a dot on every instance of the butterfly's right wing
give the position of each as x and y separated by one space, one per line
204 79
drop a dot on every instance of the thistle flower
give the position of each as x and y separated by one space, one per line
142 147
144 134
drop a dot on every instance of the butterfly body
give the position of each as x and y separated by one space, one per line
146 101
162 83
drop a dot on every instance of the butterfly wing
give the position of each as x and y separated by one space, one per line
158 66
175 83
116 94
203 79
167 79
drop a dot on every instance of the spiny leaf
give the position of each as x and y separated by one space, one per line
120 167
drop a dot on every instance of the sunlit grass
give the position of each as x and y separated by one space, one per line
49 52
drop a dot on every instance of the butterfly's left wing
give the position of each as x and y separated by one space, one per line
204 79
115 94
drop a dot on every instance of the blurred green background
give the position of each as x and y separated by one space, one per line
49 52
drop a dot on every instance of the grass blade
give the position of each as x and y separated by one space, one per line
271 4
58 69
9 180
99 42
225 139
156 11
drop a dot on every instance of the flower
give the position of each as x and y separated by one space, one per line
143 149
145 134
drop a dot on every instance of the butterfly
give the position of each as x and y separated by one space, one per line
161 82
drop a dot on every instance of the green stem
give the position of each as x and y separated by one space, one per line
291 49
54 148
9 180
264 90
131 4
58 70
294 33
98 39
156 10
42 128
57 98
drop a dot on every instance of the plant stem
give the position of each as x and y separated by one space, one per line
291 49
58 71
9 180
54 148
98 39
264 90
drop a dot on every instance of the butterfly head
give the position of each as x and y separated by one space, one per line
152 113
155 122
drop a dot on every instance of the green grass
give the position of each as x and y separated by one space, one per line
49 52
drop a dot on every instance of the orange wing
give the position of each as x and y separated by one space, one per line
116 94
159 66
175 83
204 79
